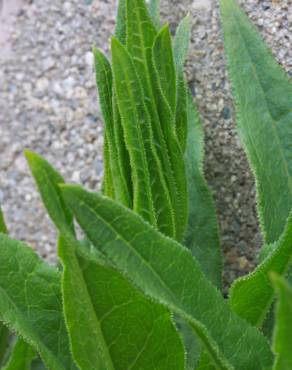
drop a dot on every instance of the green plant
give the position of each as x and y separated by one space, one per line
141 290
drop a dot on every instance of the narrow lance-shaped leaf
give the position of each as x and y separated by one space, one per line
251 296
181 43
141 34
150 194
121 25
31 303
165 96
282 341
107 182
21 357
105 89
181 47
263 97
123 154
202 236
111 324
164 63
47 180
166 271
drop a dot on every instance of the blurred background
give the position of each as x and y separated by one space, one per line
48 103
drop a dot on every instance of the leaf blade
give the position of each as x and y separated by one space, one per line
150 193
30 302
141 34
181 46
47 180
120 315
282 333
105 87
202 235
165 80
263 97
160 267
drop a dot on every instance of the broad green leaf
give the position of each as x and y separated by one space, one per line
150 193
167 272
105 89
165 101
263 98
202 236
47 180
31 303
154 10
282 341
181 46
141 34
21 357
123 329
251 296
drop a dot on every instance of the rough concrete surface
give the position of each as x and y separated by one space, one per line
48 104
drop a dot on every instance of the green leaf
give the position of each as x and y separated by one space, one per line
31 304
263 96
282 342
251 296
164 64
165 95
151 197
105 88
181 46
121 25
47 180
202 236
21 357
167 272
154 10
123 154
141 34
3 227
107 181
181 43
124 330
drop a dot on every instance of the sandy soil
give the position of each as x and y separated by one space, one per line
9 9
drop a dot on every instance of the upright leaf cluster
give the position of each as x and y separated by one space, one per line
138 287
144 139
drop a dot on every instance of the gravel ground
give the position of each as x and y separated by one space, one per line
48 104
